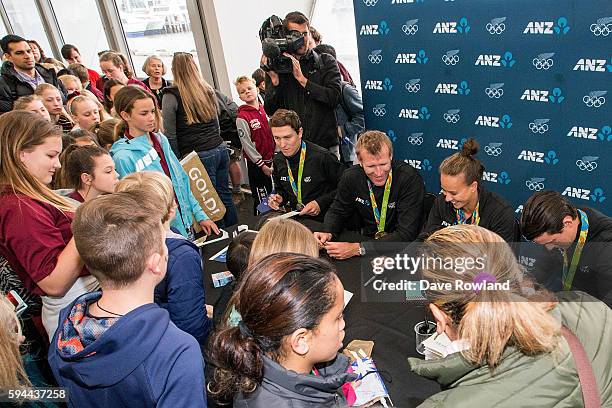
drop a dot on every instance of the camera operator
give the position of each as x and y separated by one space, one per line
310 87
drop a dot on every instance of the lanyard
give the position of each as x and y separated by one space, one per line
379 217
297 187
474 220
569 273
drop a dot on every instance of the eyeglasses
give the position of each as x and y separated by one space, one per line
302 33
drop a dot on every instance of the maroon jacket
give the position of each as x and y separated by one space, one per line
255 134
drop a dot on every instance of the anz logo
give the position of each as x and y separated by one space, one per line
494 60
381 28
375 85
406 1
539 157
537 95
453 89
560 27
580 132
499 178
505 122
410 58
596 195
452 27
592 65
422 114
451 144
424 164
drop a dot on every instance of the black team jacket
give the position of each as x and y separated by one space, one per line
404 208
495 215
321 173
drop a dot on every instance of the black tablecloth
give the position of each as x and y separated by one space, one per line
389 325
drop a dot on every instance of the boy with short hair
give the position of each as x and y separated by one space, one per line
116 347
256 138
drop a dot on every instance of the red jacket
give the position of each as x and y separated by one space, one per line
255 134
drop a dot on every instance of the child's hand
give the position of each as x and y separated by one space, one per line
209 311
208 226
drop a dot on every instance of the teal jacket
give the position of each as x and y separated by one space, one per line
137 154
545 380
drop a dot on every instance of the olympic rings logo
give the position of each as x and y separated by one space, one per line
537 127
450 60
495 28
586 165
452 117
375 58
494 93
593 101
370 3
415 140
535 185
601 29
379 110
493 149
541 63
413 88
410 29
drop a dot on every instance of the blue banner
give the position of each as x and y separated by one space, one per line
531 81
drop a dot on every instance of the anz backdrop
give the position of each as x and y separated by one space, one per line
531 81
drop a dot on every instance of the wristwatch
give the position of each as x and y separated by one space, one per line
361 250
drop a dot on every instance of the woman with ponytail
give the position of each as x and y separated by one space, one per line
140 147
35 234
284 352
464 199
512 338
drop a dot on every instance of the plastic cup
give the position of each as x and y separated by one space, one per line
423 332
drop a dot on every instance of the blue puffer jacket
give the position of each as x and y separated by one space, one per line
181 292
137 154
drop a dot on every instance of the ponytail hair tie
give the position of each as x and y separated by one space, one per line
244 330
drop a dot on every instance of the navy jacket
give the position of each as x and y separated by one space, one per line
181 292
142 360
12 87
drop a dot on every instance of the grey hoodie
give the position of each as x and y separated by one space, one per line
285 388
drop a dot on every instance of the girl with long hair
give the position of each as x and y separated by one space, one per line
512 336
34 220
52 99
190 114
90 171
139 147
32 103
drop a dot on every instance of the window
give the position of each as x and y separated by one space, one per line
81 26
335 20
156 27
26 22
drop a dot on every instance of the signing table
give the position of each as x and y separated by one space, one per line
390 325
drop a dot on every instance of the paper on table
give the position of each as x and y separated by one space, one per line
347 297
200 243
219 256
